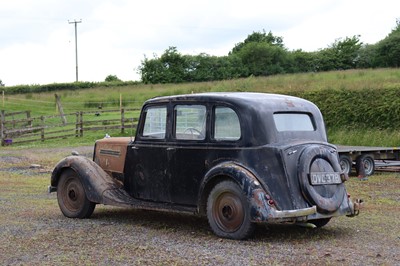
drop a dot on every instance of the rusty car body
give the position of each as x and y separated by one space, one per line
237 158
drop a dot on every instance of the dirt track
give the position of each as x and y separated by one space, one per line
34 232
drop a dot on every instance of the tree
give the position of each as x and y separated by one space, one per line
342 54
259 37
301 61
174 65
388 49
263 59
367 56
152 71
1 83
112 78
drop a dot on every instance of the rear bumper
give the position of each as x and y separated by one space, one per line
275 214
262 212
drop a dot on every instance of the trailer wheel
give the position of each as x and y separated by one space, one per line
345 163
365 163
71 196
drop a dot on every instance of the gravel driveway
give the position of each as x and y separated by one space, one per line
34 232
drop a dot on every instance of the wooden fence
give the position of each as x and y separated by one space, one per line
20 127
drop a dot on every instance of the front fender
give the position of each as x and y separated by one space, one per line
94 179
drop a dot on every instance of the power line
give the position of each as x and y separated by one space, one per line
76 44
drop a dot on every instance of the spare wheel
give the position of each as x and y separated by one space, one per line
319 176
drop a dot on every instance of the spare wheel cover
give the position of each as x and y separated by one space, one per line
315 158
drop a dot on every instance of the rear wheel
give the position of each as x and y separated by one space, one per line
71 196
228 211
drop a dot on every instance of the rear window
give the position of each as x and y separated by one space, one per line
293 122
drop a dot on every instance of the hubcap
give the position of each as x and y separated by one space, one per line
228 212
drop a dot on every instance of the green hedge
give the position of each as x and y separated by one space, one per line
65 86
366 108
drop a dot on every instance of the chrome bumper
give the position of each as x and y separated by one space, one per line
275 214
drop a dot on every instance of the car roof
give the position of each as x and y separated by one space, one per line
274 102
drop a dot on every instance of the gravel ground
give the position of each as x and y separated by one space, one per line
34 232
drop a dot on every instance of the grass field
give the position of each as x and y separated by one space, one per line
133 96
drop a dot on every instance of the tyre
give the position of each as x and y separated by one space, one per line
71 196
313 160
367 162
320 222
228 211
345 163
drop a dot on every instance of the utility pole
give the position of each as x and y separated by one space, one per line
76 45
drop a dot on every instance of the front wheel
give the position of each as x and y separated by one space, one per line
71 196
228 211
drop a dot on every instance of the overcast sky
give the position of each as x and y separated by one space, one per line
37 43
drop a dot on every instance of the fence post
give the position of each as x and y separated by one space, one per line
2 120
42 130
122 120
28 117
77 125
81 123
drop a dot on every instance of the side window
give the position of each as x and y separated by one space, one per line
190 122
155 122
226 124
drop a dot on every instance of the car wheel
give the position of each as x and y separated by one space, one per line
228 211
345 163
320 222
71 196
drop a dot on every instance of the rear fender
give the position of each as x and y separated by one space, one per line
251 187
94 179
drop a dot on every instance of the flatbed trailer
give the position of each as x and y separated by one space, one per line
363 158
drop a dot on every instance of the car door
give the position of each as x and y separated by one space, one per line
188 152
147 175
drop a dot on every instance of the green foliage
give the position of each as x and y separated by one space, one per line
341 55
263 59
388 50
112 78
64 86
367 108
1 83
262 54
259 37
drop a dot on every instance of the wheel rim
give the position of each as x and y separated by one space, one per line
228 212
368 166
345 165
73 195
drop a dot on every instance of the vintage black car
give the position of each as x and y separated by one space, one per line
237 158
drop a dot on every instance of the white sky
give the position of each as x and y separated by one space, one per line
37 44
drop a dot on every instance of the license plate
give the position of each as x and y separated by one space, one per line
324 178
